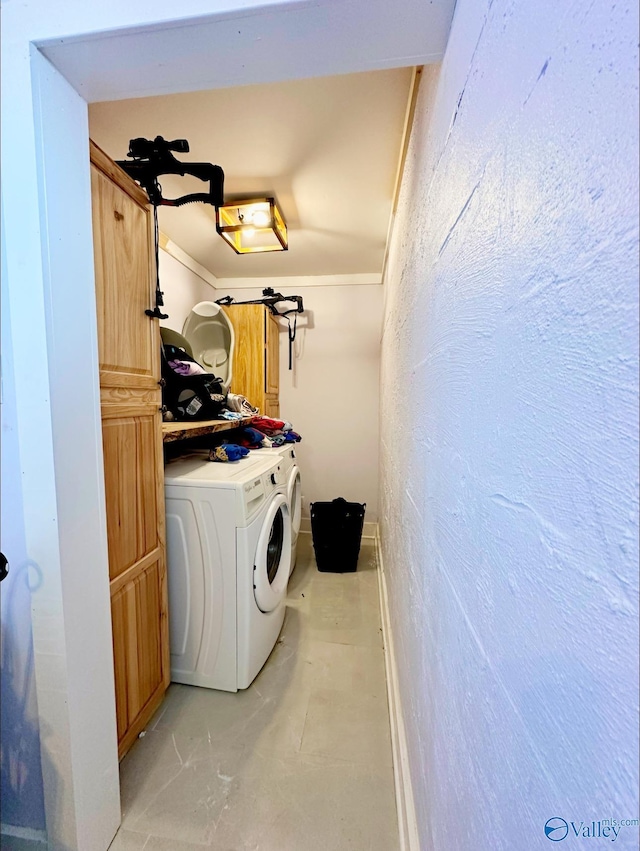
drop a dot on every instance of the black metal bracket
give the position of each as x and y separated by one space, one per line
270 298
150 159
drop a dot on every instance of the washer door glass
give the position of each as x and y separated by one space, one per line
272 563
294 492
274 547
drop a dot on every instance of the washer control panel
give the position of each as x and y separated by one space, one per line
276 477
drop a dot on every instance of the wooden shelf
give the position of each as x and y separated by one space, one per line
182 431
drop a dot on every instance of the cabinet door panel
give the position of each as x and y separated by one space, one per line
249 354
124 288
272 407
129 354
137 645
272 348
131 489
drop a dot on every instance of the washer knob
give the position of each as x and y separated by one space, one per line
273 478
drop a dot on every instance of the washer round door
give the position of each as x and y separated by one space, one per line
294 495
272 563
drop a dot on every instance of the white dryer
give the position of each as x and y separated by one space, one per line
294 490
228 563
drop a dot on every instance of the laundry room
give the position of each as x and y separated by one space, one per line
443 340
290 337
329 151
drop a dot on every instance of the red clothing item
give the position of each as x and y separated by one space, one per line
267 425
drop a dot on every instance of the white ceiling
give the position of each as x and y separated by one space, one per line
328 148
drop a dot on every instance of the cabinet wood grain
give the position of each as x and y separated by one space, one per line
256 358
129 359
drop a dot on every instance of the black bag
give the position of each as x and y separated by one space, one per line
189 397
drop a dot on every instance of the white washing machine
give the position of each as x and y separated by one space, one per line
228 563
294 490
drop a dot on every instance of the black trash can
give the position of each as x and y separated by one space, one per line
337 529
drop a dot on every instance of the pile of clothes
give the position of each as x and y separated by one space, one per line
227 452
263 432
202 403
238 407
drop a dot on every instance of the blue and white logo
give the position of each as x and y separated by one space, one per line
556 829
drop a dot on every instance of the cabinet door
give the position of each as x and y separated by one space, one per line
249 354
272 354
272 407
129 346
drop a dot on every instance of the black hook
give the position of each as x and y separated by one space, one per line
156 314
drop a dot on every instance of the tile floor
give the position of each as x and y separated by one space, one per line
300 761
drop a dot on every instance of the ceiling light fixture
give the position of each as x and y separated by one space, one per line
252 226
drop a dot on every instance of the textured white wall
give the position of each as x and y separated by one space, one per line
509 485
331 394
182 290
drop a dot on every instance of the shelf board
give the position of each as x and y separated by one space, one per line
182 430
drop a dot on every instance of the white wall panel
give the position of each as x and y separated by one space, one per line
509 489
182 289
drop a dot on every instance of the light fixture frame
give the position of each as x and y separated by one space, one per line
232 233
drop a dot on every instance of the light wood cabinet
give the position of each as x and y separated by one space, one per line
256 358
130 396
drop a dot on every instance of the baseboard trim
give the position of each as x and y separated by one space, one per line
407 823
38 838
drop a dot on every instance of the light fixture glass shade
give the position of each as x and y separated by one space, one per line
252 226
